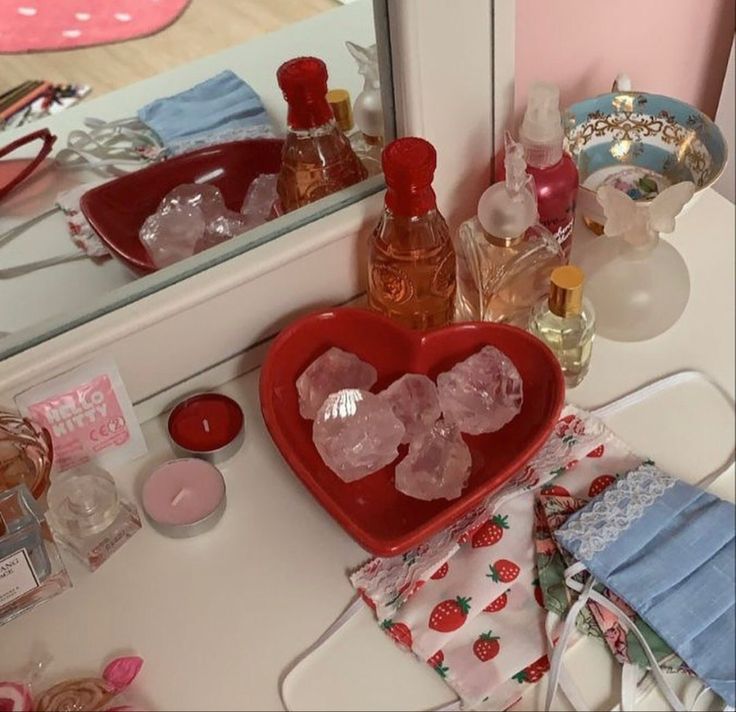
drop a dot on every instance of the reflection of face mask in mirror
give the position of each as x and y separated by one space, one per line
223 104
222 108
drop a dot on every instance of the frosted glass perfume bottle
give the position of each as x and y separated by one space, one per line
566 323
88 517
504 256
317 158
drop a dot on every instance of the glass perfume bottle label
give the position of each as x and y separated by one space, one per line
16 577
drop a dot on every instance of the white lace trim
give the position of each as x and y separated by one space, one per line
619 507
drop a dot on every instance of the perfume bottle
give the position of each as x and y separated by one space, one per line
367 148
25 454
88 517
411 261
31 570
504 256
317 158
554 172
566 323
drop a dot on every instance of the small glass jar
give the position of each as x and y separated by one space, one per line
88 517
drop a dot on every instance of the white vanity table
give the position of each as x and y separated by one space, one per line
219 616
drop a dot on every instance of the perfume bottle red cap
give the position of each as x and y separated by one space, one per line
303 81
408 167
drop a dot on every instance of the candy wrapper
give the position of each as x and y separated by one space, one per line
109 692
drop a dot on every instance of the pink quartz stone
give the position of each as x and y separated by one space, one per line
413 398
437 465
334 370
191 218
356 433
482 393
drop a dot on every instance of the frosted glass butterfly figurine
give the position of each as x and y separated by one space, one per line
640 223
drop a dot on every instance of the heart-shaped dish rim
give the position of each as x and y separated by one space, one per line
374 543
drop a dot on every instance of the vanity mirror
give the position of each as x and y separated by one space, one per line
220 122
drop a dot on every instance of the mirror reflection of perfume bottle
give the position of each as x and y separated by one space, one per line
88 517
367 148
317 158
566 323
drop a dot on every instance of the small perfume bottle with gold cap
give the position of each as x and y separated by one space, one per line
565 321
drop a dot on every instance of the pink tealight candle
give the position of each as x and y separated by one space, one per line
184 497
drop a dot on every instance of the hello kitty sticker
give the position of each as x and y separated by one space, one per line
88 414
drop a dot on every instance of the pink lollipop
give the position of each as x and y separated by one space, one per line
15 697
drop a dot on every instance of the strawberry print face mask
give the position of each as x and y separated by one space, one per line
469 602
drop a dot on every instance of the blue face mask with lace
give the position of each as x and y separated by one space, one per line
667 548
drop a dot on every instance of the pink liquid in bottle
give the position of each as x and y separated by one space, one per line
555 173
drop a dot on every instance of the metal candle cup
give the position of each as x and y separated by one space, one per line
209 426
183 498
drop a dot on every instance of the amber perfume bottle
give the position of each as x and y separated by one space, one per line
411 261
317 159
505 257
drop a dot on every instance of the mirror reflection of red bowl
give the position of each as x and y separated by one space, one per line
117 209
379 517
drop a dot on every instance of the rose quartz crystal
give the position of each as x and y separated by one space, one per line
437 465
191 218
414 400
334 370
356 433
482 393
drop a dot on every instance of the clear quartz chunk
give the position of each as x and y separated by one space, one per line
332 371
356 433
482 393
437 466
414 400
191 218
259 201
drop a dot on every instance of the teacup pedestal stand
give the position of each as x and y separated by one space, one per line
639 284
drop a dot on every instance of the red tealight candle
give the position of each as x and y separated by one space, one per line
208 425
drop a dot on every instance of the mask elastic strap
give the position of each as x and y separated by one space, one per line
663 384
587 592
350 611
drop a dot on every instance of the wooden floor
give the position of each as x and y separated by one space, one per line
206 26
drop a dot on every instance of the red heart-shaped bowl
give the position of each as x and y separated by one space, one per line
116 210
378 516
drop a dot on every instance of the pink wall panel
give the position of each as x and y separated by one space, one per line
674 47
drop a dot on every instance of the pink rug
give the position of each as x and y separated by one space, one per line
39 25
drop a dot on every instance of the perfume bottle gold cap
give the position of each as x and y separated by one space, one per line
566 291
339 101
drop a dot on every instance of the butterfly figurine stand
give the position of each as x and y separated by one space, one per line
639 284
